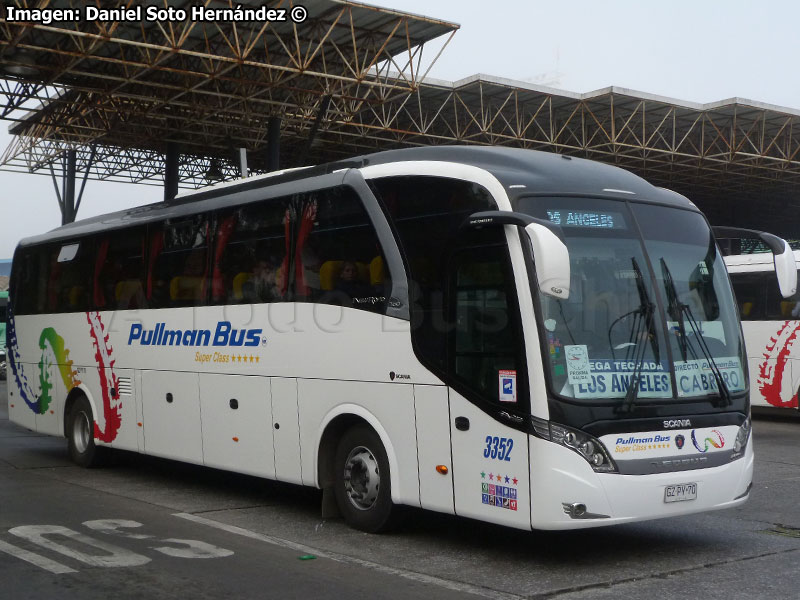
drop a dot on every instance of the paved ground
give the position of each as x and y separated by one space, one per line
146 527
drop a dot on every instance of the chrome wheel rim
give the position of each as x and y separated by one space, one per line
362 478
81 432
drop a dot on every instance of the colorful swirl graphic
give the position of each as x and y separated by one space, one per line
716 443
14 361
55 354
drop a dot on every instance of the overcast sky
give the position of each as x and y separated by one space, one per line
698 50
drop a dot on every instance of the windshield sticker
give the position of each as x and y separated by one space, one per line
608 378
696 377
508 386
578 370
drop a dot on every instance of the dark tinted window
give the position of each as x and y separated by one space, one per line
759 298
341 259
119 270
250 251
426 213
29 285
178 263
487 347
313 247
68 276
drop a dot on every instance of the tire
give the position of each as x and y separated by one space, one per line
80 435
363 487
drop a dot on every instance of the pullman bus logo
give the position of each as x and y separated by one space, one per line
223 335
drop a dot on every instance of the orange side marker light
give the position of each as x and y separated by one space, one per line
442 469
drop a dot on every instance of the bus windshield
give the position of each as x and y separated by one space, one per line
650 306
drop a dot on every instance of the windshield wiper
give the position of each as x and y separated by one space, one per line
643 322
677 310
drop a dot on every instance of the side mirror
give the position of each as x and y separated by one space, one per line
786 271
549 249
785 266
552 261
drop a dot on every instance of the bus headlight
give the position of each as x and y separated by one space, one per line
588 447
742 437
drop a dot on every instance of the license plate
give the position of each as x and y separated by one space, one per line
680 492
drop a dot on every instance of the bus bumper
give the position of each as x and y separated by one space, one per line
566 493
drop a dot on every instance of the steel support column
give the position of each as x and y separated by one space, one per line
68 210
171 172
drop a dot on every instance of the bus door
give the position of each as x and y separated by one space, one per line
488 391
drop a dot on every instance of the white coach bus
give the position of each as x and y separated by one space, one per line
771 324
501 334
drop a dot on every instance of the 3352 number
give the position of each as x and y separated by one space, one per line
498 447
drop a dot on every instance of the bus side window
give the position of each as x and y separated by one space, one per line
178 271
339 259
249 249
778 307
750 292
119 270
486 348
69 279
28 284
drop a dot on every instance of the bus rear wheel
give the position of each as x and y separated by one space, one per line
363 488
80 435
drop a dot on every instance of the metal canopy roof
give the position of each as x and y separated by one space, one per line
353 75
209 86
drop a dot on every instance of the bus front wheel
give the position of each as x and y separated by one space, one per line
363 488
80 435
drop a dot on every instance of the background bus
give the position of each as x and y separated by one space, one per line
771 324
519 337
3 305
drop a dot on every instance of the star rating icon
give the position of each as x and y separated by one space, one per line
483 475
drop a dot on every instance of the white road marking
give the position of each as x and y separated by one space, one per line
117 557
35 559
194 549
114 527
418 577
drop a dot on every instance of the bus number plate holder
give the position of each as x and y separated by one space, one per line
680 492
